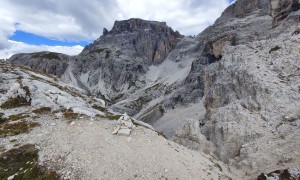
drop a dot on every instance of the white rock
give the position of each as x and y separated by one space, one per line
125 132
117 128
128 124
91 123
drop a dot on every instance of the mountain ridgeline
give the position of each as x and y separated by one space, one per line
242 73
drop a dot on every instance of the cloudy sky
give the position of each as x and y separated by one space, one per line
68 25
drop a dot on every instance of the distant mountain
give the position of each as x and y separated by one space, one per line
233 90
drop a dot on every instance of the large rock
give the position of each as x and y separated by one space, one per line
48 62
252 99
151 40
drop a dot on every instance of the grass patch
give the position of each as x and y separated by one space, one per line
42 110
50 55
23 163
34 71
19 100
111 116
65 89
13 129
15 102
276 48
17 117
100 108
70 114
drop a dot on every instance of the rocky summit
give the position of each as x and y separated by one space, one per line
230 96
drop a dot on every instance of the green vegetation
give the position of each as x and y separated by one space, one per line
15 102
19 100
70 114
12 129
65 89
100 108
276 48
17 117
23 163
34 71
49 55
42 110
111 116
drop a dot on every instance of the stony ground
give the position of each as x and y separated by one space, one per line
86 149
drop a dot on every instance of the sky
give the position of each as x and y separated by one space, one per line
66 26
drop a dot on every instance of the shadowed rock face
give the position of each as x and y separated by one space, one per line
151 40
114 63
48 62
280 9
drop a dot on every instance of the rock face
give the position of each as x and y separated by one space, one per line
150 40
244 67
48 62
115 63
61 131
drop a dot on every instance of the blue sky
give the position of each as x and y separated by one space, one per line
33 39
66 26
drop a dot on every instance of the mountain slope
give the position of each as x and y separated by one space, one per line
51 130
238 79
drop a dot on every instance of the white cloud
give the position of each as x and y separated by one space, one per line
19 47
190 17
77 20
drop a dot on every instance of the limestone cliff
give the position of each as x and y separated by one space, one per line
242 73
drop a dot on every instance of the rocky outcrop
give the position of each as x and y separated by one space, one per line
245 66
280 9
61 131
48 62
252 99
281 174
151 40
115 64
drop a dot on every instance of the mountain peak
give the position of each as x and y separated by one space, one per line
136 24
150 40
